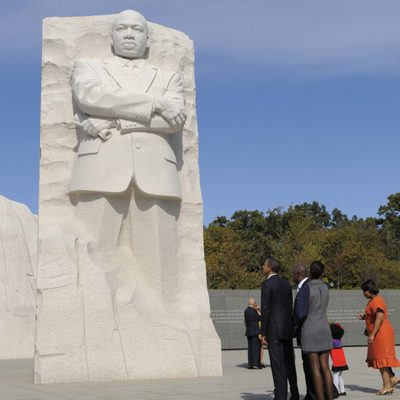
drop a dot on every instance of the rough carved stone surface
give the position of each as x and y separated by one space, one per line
18 248
99 316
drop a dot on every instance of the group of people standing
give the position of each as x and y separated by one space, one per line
278 321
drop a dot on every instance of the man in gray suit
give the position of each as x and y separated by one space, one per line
124 180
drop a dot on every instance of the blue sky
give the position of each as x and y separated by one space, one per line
297 100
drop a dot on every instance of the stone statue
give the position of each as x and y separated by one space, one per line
126 99
121 277
125 179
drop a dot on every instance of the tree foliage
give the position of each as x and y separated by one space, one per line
352 249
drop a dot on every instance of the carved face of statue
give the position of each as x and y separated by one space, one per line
130 35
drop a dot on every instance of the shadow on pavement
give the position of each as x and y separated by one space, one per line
357 388
244 365
256 396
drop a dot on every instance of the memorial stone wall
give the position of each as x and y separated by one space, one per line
227 307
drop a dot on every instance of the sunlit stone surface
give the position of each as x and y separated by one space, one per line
121 276
18 248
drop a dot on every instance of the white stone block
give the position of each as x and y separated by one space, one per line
127 301
18 248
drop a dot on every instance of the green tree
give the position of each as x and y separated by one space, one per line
390 224
226 261
352 249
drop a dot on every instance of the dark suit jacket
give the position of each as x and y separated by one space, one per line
300 311
251 319
276 309
301 304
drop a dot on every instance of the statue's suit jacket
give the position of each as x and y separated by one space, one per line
139 148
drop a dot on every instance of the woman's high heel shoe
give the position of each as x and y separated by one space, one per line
394 382
384 392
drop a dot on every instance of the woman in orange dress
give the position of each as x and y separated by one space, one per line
381 340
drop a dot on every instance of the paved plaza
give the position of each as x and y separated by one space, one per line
237 383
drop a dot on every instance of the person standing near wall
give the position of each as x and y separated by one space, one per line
316 337
339 363
381 337
251 319
300 278
278 330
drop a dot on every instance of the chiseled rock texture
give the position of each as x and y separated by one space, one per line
88 329
18 248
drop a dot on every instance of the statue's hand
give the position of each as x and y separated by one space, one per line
174 114
95 127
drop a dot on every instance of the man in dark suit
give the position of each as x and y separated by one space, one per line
251 319
277 329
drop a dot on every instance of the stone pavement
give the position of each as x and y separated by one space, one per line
237 383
